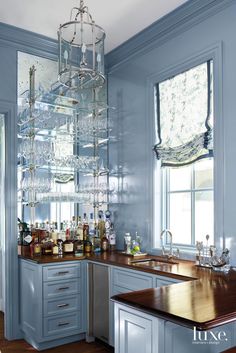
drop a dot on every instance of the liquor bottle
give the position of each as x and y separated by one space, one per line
104 243
68 247
73 228
107 222
47 247
37 247
92 228
97 243
87 245
27 237
60 247
85 227
55 248
22 226
112 238
101 224
79 230
78 247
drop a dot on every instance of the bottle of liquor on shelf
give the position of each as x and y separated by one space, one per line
60 247
104 243
92 228
68 247
112 238
85 227
97 243
87 245
27 237
73 228
55 248
79 229
79 246
47 247
101 224
107 222
37 247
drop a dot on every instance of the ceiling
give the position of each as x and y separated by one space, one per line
121 19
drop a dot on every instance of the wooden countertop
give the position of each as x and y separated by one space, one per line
205 299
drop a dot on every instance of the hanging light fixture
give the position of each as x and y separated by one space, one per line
81 50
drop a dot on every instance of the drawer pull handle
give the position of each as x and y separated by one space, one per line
63 323
63 288
62 305
62 273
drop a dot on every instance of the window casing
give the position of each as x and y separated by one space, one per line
187 196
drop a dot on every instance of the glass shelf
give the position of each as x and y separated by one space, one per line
53 128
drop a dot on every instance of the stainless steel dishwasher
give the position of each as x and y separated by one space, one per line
99 301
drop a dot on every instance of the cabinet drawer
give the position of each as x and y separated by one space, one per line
62 305
55 273
62 324
131 280
62 288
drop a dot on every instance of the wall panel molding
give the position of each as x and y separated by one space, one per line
29 42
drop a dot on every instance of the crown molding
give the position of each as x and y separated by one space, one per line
184 17
27 41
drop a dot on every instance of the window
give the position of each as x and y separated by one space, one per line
187 204
184 115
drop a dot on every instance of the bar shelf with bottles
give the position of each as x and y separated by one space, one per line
78 237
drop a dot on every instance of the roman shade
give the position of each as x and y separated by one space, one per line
184 112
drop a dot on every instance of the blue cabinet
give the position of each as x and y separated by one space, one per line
125 280
139 332
52 303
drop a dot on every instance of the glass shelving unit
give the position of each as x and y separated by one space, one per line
63 136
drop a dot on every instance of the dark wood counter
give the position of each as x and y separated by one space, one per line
205 299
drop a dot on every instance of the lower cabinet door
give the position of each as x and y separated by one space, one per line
179 339
135 333
62 325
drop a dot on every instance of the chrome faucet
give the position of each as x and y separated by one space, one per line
169 254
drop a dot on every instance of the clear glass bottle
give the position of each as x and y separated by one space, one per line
73 229
79 229
112 239
107 222
101 224
85 227
60 247
91 226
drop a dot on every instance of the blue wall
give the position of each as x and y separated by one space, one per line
13 40
132 73
198 27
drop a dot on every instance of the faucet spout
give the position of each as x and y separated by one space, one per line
168 233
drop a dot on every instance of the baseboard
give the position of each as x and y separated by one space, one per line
54 343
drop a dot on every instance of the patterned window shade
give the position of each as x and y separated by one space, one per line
185 117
